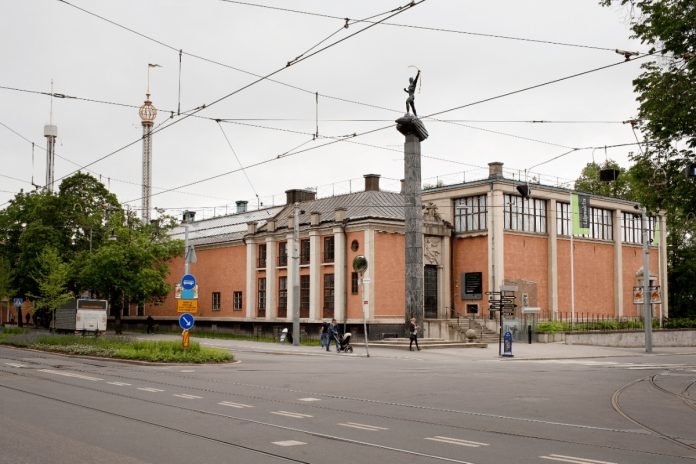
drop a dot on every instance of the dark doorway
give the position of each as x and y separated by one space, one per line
430 291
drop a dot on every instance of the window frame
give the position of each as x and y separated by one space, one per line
471 214
237 300
329 249
216 301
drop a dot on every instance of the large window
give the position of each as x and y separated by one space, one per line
601 222
261 301
262 256
632 227
328 295
470 213
304 296
283 254
328 249
216 301
525 214
237 302
304 251
282 296
354 284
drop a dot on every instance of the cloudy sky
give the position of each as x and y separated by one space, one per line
474 56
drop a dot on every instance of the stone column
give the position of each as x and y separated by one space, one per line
415 133
553 259
618 264
271 276
251 248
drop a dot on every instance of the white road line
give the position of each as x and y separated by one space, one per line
309 399
119 384
355 425
573 459
149 389
187 370
457 441
289 443
16 365
70 374
295 415
188 397
235 405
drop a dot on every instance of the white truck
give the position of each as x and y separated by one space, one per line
82 316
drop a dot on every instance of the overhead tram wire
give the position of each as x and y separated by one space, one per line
224 97
434 29
371 131
229 144
618 145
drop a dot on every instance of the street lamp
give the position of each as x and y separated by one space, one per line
360 266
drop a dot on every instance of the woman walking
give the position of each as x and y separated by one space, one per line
413 334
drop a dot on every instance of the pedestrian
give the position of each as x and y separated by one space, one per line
324 335
413 334
28 318
150 321
333 335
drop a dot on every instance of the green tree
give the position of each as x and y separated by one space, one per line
590 182
51 277
667 118
133 268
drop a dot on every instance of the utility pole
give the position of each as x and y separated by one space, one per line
647 306
296 276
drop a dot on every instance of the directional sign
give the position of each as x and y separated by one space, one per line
186 306
18 301
186 321
188 282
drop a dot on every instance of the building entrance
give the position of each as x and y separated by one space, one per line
430 291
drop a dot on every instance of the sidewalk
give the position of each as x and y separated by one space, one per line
520 351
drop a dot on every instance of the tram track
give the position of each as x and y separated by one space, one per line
310 432
616 404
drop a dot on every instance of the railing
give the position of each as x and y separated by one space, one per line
586 322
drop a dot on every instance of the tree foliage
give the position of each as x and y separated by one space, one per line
666 92
590 181
51 277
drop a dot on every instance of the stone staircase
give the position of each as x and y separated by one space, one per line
484 334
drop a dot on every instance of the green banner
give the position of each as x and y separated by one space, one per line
580 211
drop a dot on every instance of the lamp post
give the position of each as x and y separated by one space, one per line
360 266
647 306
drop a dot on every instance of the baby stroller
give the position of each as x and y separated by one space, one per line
344 342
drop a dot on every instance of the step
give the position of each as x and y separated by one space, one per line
404 343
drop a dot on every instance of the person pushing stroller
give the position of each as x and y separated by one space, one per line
333 335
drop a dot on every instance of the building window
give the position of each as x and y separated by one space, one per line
304 296
632 227
237 302
328 249
141 309
261 301
283 254
354 283
525 214
282 296
470 214
216 301
328 295
304 251
262 256
601 222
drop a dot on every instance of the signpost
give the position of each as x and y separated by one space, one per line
186 322
187 306
360 266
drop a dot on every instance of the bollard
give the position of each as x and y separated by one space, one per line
529 334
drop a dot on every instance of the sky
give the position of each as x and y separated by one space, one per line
326 115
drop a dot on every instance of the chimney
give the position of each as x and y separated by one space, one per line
315 218
251 227
340 214
188 217
372 182
242 206
495 169
298 196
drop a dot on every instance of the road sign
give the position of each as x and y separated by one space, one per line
18 301
186 321
188 282
186 306
189 294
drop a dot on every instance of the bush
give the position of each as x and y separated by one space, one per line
551 327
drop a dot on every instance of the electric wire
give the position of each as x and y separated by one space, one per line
229 144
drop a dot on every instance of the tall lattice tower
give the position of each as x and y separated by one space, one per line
51 133
148 113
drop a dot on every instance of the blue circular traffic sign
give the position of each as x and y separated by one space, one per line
188 282
186 321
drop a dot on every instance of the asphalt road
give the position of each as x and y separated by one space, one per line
310 406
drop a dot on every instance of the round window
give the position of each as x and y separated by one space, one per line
354 245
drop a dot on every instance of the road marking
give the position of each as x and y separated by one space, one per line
309 399
188 397
70 374
119 384
457 441
235 405
289 443
16 365
187 370
355 425
149 389
296 415
573 459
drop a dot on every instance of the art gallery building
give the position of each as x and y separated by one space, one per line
477 237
